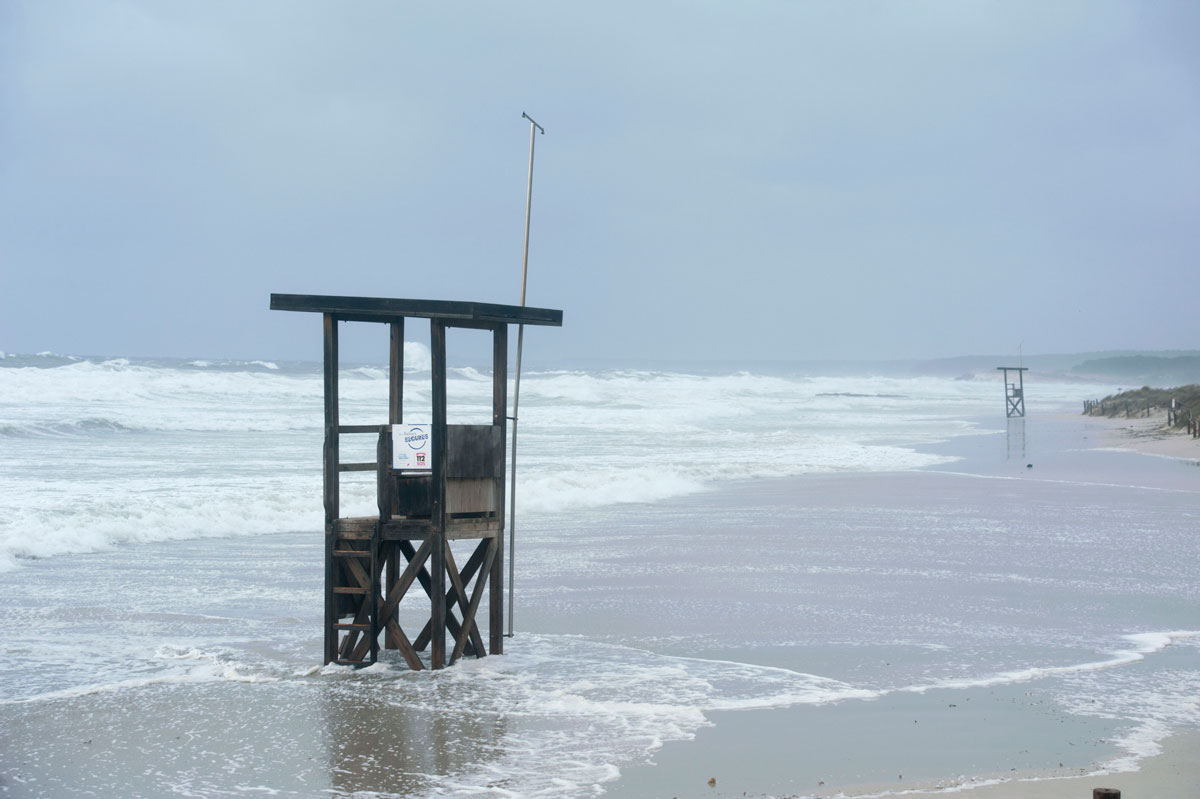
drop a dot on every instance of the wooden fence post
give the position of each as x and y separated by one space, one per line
1106 793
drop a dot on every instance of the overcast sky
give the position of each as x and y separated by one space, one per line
791 180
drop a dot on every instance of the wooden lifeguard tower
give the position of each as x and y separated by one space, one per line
454 492
1014 393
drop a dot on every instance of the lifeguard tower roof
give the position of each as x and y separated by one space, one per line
385 309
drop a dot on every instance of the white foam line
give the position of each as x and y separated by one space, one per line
228 674
1061 482
1191 458
1149 643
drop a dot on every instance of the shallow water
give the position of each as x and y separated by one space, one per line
156 653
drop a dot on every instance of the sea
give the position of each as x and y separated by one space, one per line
788 581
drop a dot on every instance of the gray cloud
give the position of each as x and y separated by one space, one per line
769 180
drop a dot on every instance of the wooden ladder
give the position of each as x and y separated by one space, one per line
357 578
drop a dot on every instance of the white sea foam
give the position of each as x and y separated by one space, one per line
180 666
579 710
104 452
1144 644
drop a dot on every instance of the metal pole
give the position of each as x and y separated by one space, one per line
512 498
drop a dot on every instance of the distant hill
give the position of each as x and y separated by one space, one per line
1147 370
1170 368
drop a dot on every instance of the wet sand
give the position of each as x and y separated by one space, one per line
1175 772
1001 742
1148 435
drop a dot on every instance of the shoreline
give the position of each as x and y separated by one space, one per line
1148 435
759 753
1171 772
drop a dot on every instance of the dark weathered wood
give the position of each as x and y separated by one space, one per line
383 309
396 371
357 467
373 598
391 575
468 571
469 628
346 650
331 600
476 497
437 571
355 569
331 418
330 481
397 590
383 475
354 526
500 421
456 529
403 645
413 495
351 429
1106 793
471 450
458 594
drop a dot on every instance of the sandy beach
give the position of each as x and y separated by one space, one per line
1175 772
1148 435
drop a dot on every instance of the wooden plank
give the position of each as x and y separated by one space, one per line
472 450
470 496
349 526
500 421
458 593
357 467
347 647
374 429
456 529
468 571
437 571
392 574
356 570
404 645
383 475
469 615
373 598
413 495
331 600
396 372
331 418
384 309
414 569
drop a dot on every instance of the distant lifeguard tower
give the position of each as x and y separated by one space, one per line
437 483
1014 393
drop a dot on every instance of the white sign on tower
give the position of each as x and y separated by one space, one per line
412 447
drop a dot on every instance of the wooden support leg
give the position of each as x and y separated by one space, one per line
331 599
437 598
458 593
390 641
496 599
469 627
473 564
